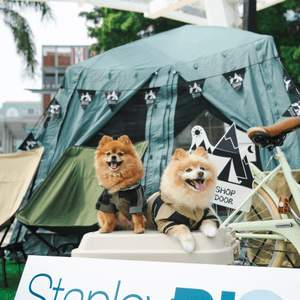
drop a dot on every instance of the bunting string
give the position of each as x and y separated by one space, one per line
194 88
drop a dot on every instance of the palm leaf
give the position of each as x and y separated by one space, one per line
41 7
22 32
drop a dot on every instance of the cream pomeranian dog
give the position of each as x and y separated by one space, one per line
186 191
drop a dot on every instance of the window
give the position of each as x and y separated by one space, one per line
30 111
49 56
49 79
64 56
12 113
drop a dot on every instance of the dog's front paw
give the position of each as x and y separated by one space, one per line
188 245
105 230
139 230
183 234
209 229
211 232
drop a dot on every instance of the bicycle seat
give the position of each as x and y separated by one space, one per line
273 135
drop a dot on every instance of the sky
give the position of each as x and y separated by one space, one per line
67 29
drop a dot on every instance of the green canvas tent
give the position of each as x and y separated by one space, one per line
117 82
153 88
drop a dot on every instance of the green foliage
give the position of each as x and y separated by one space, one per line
21 30
114 28
296 55
291 58
13 274
271 21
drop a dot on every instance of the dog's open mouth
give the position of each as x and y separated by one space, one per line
114 165
197 184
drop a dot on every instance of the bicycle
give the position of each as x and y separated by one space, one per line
266 229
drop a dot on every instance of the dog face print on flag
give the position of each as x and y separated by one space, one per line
112 98
150 95
236 78
195 88
85 97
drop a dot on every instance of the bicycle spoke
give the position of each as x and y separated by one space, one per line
260 252
267 218
259 258
264 251
256 255
260 248
258 215
252 262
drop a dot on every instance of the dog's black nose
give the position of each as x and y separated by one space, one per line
113 157
200 173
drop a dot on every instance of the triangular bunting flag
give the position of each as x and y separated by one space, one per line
294 109
150 95
54 109
29 143
236 78
195 88
112 98
85 97
288 82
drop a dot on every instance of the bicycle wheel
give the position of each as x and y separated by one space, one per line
261 252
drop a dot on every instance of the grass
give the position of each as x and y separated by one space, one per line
13 274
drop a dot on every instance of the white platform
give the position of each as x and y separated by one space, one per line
156 246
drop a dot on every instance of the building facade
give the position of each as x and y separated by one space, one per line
55 61
17 119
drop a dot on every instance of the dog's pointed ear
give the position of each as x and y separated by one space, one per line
105 139
200 151
125 140
180 154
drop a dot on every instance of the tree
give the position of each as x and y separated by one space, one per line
21 30
274 21
114 28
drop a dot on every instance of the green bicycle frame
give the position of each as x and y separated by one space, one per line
286 229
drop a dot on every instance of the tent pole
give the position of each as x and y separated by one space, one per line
51 247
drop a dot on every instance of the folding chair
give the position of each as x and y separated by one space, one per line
17 171
64 204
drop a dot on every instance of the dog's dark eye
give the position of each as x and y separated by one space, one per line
202 168
108 153
188 170
120 153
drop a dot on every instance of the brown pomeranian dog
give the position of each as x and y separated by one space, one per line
186 191
119 170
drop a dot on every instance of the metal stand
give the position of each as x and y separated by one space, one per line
15 247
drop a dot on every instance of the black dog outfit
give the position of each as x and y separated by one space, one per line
130 200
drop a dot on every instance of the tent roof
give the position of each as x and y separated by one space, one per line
180 45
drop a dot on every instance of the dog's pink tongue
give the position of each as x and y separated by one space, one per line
199 187
113 166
